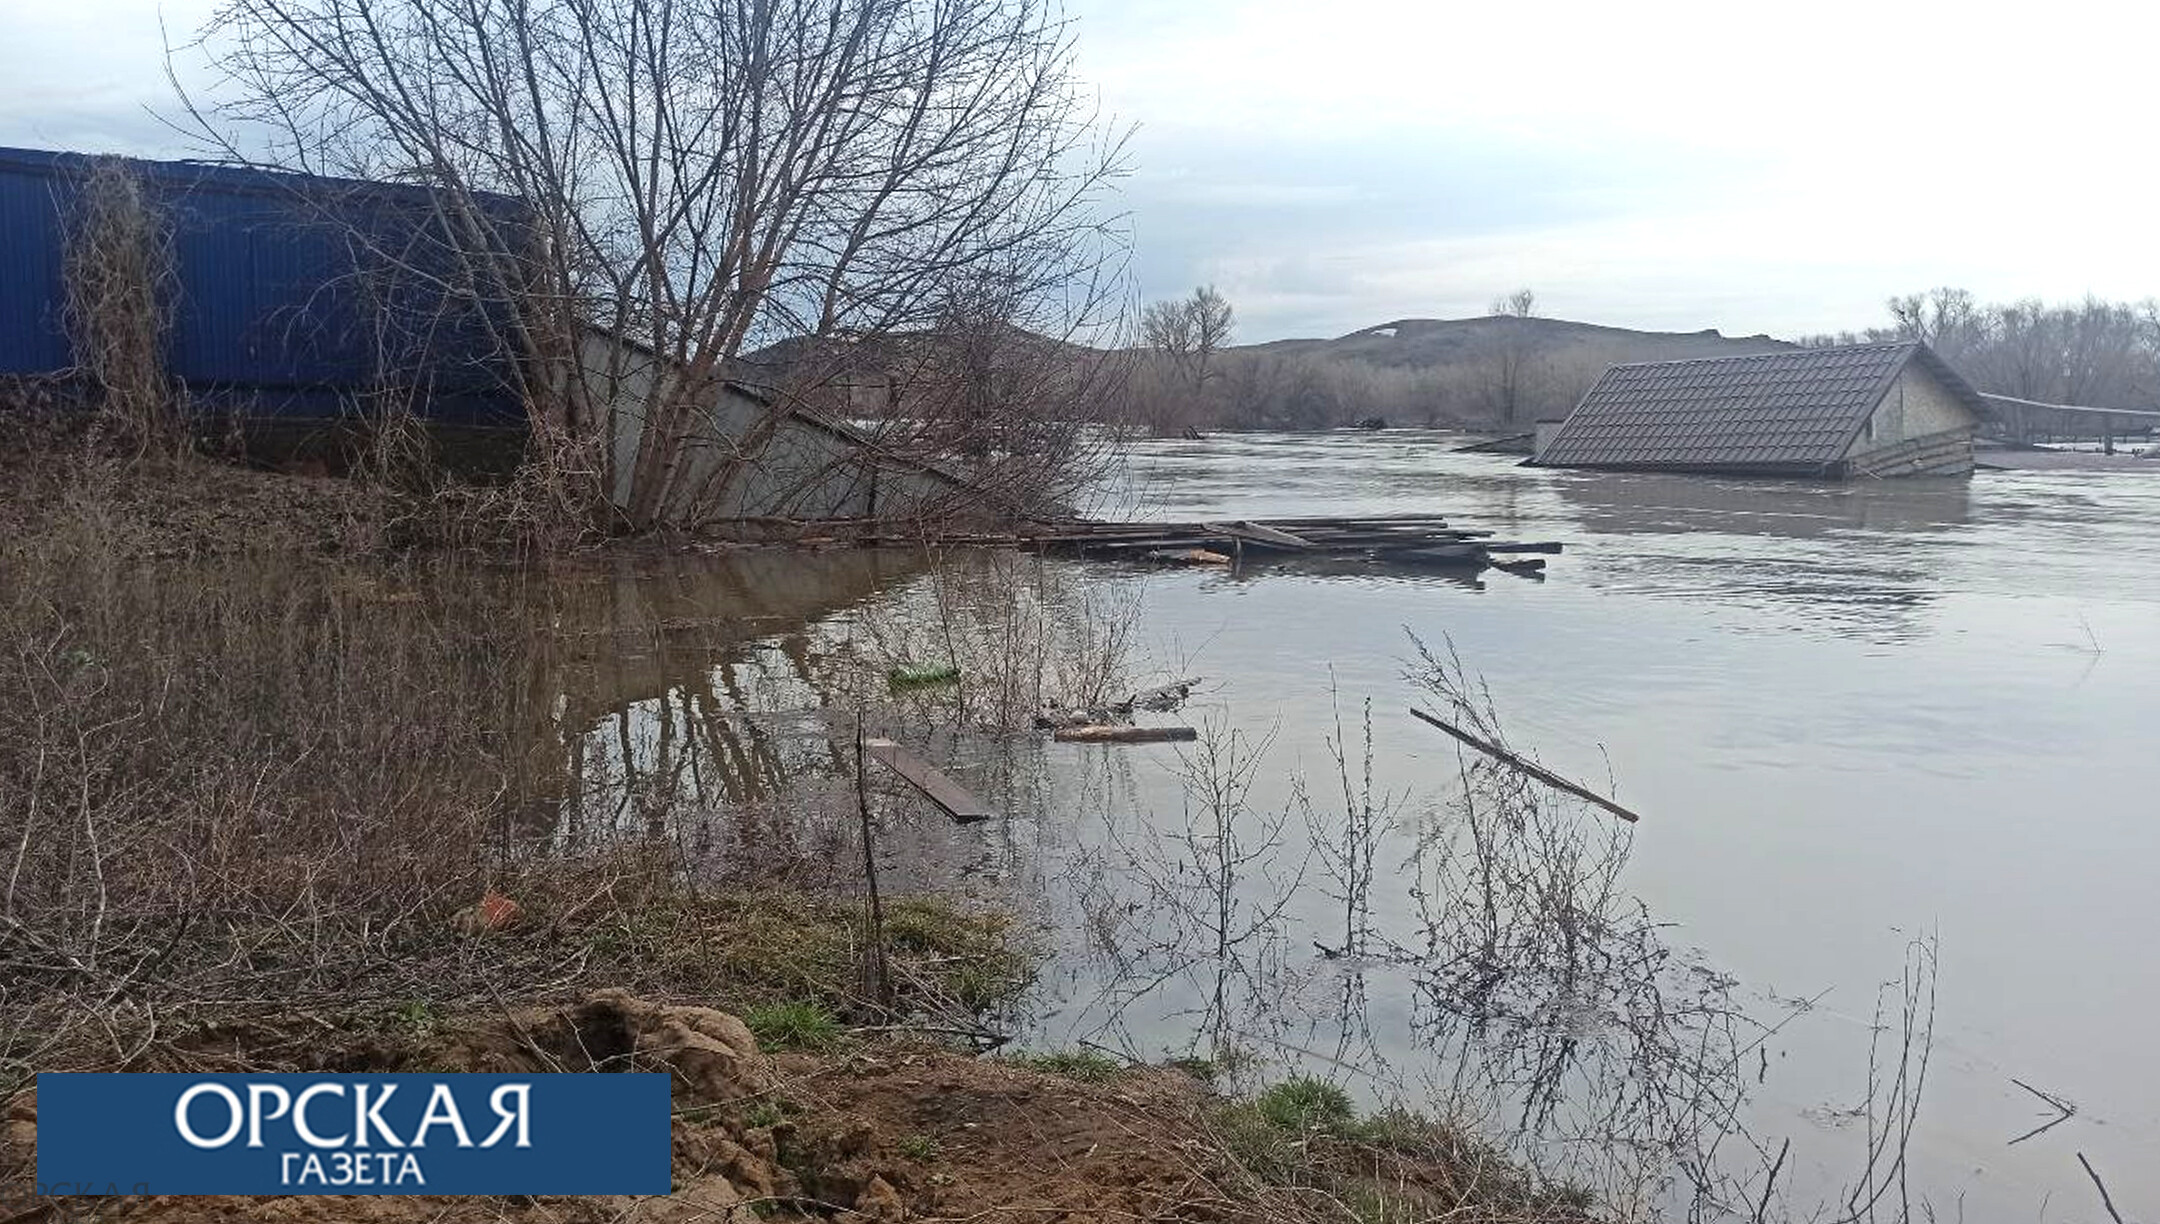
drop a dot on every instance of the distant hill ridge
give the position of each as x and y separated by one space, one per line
1493 371
1420 343
1503 371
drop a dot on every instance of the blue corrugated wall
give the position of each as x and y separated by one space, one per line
286 305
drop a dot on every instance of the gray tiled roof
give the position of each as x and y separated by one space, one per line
1792 410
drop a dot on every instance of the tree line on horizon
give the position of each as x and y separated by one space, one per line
2093 353
1187 377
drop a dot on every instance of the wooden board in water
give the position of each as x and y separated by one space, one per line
941 790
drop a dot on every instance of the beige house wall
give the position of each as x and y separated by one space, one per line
1917 405
1920 428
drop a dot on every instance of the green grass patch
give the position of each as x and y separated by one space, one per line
797 1024
1274 1133
1307 1133
1086 1066
920 675
1302 1104
768 945
920 1148
416 1017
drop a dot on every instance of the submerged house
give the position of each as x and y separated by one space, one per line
1856 410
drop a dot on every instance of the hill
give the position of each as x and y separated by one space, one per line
1497 371
1432 343
1494 370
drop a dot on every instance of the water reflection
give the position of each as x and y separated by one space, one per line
1668 504
695 685
722 683
1859 559
1855 558
1875 759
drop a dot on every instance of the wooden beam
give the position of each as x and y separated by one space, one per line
939 789
1261 533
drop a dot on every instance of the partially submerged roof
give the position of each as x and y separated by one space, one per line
1794 411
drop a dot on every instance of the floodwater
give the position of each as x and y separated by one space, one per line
1852 717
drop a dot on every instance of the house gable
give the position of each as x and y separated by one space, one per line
1918 404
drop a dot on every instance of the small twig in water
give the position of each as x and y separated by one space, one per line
2101 1186
876 979
1762 1209
2064 1111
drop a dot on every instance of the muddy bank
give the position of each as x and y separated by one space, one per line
884 1129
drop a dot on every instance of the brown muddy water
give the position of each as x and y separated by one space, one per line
1853 717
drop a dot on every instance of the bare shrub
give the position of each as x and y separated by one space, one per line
1348 847
173 792
1026 634
1901 1042
1562 1019
1188 917
118 276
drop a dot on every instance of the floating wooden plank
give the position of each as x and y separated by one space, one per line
1261 533
1531 768
1382 541
1445 554
1140 543
1415 539
1117 734
1326 519
939 789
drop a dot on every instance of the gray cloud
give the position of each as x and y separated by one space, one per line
1690 164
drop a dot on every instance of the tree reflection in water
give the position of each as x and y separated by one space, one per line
1542 1005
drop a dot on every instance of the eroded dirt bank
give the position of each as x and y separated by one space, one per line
882 1129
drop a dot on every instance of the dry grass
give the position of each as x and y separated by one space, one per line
251 784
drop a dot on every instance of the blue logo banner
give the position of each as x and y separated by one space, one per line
356 1134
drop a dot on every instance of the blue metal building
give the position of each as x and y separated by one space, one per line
298 298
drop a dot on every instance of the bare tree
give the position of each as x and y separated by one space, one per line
984 385
1521 304
1511 369
698 178
1947 320
2093 352
1188 334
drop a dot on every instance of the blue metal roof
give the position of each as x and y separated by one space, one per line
297 295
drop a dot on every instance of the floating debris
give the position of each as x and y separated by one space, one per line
1115 733
917 675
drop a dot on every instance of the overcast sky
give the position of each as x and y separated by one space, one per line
1332 164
